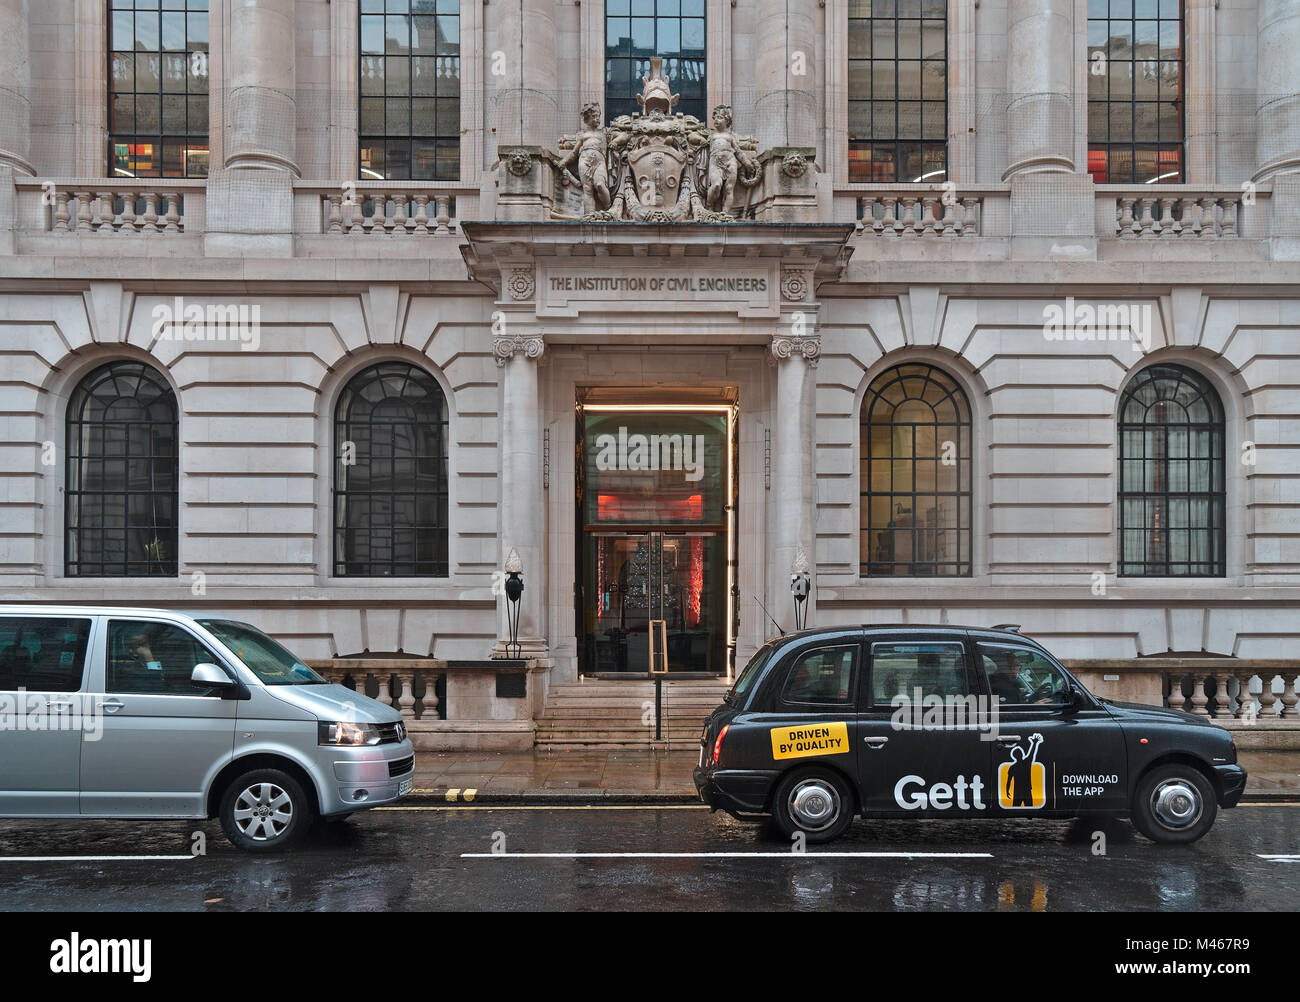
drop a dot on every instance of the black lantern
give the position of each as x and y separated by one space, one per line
514 587
800 585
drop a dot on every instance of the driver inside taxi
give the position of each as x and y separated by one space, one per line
1004 677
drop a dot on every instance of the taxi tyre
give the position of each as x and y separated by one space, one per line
1164 781
269 788
809 787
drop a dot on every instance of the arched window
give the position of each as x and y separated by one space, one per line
1171 475
120 499
390 480
916 474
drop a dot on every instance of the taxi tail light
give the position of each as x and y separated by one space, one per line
717 745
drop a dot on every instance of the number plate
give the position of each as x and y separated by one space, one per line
404 787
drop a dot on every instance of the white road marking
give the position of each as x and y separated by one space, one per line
557 807
1293 858
85 859
726 855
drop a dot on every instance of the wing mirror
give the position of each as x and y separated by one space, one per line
1075 700
209 676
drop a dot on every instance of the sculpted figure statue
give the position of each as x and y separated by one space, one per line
589 154
728 154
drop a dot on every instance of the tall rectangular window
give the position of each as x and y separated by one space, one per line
158 88
635 30
898 90
1135 91
410 90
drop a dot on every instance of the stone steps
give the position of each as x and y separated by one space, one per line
610 714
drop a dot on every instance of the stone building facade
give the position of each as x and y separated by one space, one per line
979 369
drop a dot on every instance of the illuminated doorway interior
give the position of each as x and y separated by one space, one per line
656 513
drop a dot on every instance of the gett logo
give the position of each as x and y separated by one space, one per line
940 796
1022 782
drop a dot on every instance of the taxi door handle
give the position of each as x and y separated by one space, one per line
1008 739
875 742
112 705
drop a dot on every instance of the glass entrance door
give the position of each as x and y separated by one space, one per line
634 579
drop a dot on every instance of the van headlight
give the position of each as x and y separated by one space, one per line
347 732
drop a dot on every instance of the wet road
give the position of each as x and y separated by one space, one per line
443 858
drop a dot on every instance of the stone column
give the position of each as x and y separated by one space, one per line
523 527
795 356
261 106
785 109
1040 69
524 100
15 88
1277 115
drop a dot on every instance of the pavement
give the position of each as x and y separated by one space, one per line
649 776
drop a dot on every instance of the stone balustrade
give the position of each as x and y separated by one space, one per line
141 205
1226 690
919 211
1243 693
1152 212
413 208
410 685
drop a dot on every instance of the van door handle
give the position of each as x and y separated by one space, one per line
874 741
112 705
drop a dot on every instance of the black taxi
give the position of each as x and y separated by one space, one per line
950 722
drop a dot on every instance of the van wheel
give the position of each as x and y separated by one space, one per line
266 810
1174 803
816 802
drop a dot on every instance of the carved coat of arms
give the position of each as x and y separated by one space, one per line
657 166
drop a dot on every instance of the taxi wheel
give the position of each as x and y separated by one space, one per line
817 802
266 810
1174 803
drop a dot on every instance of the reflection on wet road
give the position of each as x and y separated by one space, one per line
652 858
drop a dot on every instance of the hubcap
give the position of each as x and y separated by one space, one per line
1176 803
814 804
263 812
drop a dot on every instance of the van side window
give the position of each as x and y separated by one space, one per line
917 669
1022 676
42 654
823 676
153 659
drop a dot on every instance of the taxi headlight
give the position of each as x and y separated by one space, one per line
347 732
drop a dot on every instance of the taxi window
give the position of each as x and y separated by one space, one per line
822 677
901 669
1022 676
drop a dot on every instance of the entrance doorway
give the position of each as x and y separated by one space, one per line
655 536
659 601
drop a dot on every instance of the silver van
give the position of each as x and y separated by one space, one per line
141 713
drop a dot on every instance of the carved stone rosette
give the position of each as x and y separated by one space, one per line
505 346
794 286
520 284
